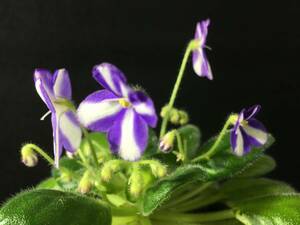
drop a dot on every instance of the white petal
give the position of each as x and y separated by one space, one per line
259 135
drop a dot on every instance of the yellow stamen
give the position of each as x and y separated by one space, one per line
124 103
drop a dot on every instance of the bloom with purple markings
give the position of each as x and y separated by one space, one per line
55 91
247 131
200 62
124 113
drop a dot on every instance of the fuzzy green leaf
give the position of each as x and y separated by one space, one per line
49 183
238 190
152 146
53 208
221 166
191 136
280 209
260 167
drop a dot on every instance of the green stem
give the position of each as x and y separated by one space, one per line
192 217
94 155
181 148
192 44
211 151
41 152
190 194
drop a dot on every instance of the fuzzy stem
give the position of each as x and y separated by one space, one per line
91 147
211 151
192 44
181 148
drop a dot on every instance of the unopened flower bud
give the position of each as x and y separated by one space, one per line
109 168
175 117
85 184
136 183
158 170
167 141
29 157
65 176
184 117
164 111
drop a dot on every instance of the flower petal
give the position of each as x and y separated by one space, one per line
251 112
57 143
70 131
144 106
129 135
44 86
201 65
239 142
201 31
111 78
256 132
99 110
62 84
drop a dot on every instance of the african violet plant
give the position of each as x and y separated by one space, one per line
117 171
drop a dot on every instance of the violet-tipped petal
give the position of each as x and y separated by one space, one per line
247 131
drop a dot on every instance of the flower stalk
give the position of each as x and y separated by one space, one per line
38 150
214 147
192 45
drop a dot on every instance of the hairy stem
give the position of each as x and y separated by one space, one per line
211 151
188 50
40 151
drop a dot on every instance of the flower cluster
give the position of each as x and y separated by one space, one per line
124 113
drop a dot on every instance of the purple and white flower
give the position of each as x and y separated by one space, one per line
200 62
247 131
122 112
55 91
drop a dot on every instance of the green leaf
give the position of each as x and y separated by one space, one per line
190 135
238 190
52 207
280 209
152 146
221 166
260 167
49 183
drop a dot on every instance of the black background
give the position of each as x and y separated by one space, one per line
255 59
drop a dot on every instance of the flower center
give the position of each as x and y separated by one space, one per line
124 103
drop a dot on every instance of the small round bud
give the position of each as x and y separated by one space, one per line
109 168
184 117
28 156
106 173
164 111
175 117
85 184
167 142
66 175
158 170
